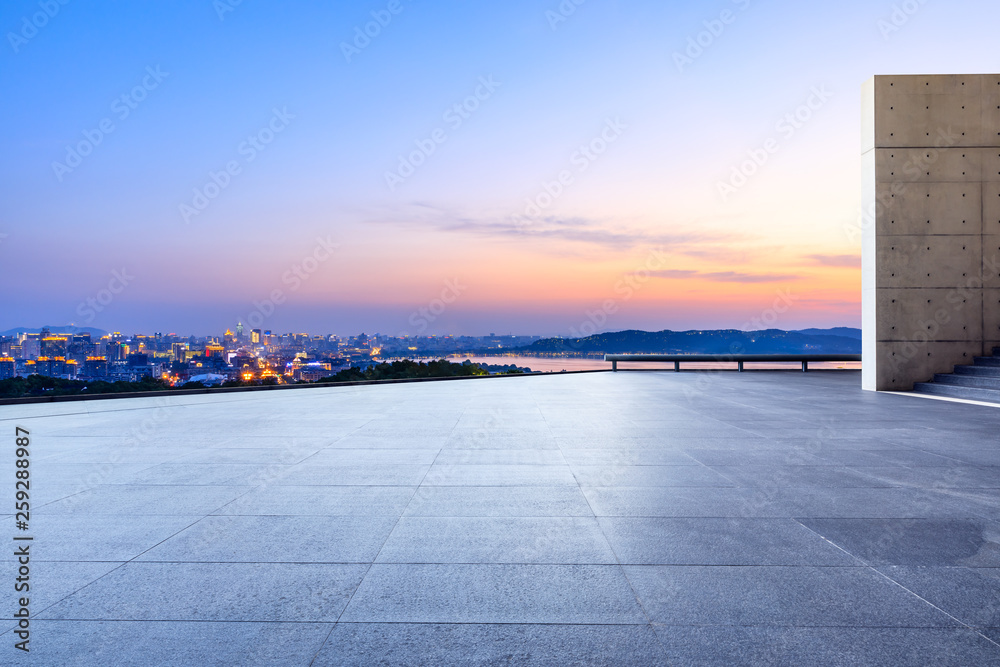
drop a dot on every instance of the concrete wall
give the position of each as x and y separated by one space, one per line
931 225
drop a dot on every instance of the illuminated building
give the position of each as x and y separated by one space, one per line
114 351
7 368
53 366
53 346
95 367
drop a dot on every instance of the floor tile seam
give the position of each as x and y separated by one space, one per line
567 624
548 429
655 624
635 594
323 643
504 564
346 435
120 565
885 576
943 611
57 500
249 490
181 620
917 448
88 412
171 536
382 546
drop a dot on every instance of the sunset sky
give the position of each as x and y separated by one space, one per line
578 179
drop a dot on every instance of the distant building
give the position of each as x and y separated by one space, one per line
8 368
95 367
114 351
53 346
56 367
137 360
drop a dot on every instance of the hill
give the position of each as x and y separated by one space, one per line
721 341
846 332
93 331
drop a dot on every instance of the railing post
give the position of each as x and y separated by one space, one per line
614 366
740 363
805 366
677 366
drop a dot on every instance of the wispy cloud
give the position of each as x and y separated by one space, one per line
726 276
606 235
840 261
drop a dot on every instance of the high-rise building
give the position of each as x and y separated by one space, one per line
114 351
8 368
255 337
53 346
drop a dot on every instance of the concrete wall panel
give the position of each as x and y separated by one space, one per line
930 208
990 275
898 362
931 260
991 208
928 261
934 84
922 165
946 314
991 317
991 165
991 117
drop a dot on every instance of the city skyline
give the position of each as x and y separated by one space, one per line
534 167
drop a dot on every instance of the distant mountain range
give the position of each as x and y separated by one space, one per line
846 332
723 341
93 331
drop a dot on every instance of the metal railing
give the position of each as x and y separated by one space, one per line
740 359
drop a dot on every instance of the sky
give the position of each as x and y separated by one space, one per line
415 168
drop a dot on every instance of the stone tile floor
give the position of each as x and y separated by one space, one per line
621 519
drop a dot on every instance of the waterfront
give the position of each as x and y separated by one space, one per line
559 364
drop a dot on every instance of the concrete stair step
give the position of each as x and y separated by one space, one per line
955 391
979 381
981 371
987 361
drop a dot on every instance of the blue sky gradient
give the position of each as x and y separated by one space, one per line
229 69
